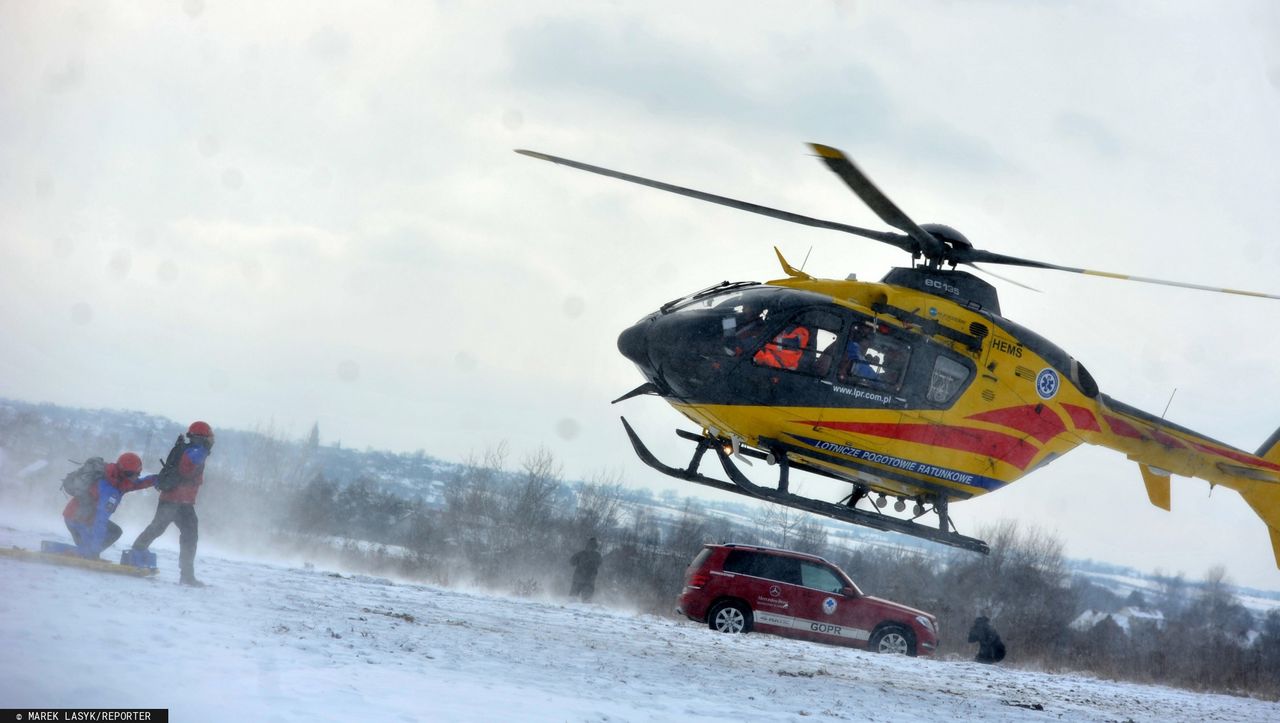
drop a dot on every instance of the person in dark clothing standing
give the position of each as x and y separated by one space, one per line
586 563
990 646
178 503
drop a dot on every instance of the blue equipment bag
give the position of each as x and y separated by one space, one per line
58 548
138 558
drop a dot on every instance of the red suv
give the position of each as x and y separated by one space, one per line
740 588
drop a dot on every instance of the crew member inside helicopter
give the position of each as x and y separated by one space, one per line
855 361
786 349
874 356
745 336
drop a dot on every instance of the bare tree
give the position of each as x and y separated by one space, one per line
599 504
531 505
780 526
690 530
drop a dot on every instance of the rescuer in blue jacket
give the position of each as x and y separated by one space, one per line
88 516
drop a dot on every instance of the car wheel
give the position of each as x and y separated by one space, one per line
894 640
730 617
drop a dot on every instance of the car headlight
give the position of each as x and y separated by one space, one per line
927 624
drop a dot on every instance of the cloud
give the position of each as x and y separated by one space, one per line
1089 132
632 68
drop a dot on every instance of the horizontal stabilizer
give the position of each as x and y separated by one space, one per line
1157 486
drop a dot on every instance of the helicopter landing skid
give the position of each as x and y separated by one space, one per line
739 484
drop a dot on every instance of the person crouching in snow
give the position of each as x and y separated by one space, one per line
990 646
88 516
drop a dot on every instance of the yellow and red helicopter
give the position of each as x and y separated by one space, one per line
915 388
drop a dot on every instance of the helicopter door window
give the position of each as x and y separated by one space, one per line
947 379
804 345
871 356
855 364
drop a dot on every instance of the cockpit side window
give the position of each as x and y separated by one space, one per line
806 344
872 357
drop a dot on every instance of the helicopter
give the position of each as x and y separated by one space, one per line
915 388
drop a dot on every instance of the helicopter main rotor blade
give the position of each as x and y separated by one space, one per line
888 212
893 239
969 256
1005 279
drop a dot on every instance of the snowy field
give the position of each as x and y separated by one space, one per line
270 642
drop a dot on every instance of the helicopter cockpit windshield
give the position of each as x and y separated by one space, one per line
726 297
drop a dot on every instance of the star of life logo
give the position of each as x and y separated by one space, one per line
1047 384
829 605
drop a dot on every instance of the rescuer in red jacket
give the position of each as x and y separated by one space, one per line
178 504
88 515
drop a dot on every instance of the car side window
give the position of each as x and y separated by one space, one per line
739 561
770 567
782 569
820 577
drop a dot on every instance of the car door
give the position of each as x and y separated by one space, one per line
770 601
823 611
856 617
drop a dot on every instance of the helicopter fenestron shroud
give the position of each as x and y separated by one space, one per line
1023 403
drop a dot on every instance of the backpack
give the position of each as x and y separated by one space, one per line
78 481
168 478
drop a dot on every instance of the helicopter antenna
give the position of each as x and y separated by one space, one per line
1166 406
806 258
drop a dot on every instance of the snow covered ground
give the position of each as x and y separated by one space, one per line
271 642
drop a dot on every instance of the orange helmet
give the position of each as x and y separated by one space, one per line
129 463
200 429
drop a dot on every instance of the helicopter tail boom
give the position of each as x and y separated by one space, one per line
1163 449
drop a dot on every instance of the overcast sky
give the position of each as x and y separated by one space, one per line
278 213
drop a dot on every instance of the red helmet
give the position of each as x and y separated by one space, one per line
200 429
129 462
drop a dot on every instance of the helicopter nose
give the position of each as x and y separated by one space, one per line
633 342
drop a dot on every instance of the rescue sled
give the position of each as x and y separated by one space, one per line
135 564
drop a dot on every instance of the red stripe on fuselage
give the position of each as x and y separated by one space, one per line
1122 428
1166 440
1082 418
1044 424
1240 457
1006 448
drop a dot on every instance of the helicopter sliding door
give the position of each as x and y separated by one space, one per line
873 364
